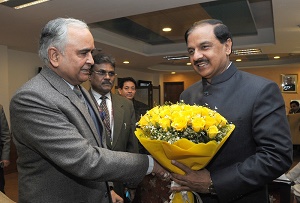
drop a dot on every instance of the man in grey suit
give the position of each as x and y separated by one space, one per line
121 123
259 150
59 136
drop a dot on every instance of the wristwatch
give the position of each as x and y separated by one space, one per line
211 189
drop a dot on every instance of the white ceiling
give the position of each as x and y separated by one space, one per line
20 29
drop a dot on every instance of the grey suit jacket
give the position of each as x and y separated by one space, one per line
60 154
259 149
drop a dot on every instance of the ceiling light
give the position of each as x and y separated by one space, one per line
30 4
189 63
1 1
276 57
238 60
175 57
173 73
167 29
126 62
247 51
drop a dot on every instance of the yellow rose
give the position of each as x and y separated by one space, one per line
197 110
221 121
144 121
198 124
155 119
165 111
176 107
179 123
212 131
205 111
209 121
165 123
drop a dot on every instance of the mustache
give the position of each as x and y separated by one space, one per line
106 82
201 61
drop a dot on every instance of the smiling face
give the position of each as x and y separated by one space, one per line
102 83
74 63
208 56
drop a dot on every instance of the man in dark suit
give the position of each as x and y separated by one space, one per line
127 88
260 149
121 124
4 146
59 136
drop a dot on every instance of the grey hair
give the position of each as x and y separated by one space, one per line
54 34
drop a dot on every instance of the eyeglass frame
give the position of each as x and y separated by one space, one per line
104 73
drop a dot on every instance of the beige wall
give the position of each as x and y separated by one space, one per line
17 67
274 73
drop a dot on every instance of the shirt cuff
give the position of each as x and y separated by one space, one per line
151 164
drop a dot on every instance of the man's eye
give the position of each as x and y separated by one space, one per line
191 52
84 53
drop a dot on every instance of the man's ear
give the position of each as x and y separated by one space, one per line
228 46
119 90
54 55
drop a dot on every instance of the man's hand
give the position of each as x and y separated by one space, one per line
159 171
115 197
197 181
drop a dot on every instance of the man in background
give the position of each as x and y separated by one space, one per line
294 105
119 120
259 149
4 146
57 130
127 88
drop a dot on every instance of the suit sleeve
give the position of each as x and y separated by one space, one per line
48 127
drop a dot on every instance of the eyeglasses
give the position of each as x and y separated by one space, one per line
104 73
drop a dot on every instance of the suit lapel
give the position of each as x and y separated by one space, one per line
118 115
61 86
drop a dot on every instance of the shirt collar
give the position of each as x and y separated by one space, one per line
98 96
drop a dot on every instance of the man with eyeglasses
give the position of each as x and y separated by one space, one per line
116 111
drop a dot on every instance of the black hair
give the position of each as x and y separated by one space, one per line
101 58
121 81
221 31
294 102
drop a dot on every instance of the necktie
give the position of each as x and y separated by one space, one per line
105 116
87 105
78 93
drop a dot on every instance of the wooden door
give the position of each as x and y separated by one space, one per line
172 91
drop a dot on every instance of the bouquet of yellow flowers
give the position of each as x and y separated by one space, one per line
189 134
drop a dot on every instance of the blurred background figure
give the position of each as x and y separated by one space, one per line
4 146
116 111
294 105
127 88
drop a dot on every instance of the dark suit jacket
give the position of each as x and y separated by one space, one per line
124 138
4 136
140 109
259 149
60 154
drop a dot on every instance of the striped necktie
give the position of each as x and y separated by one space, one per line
105 116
